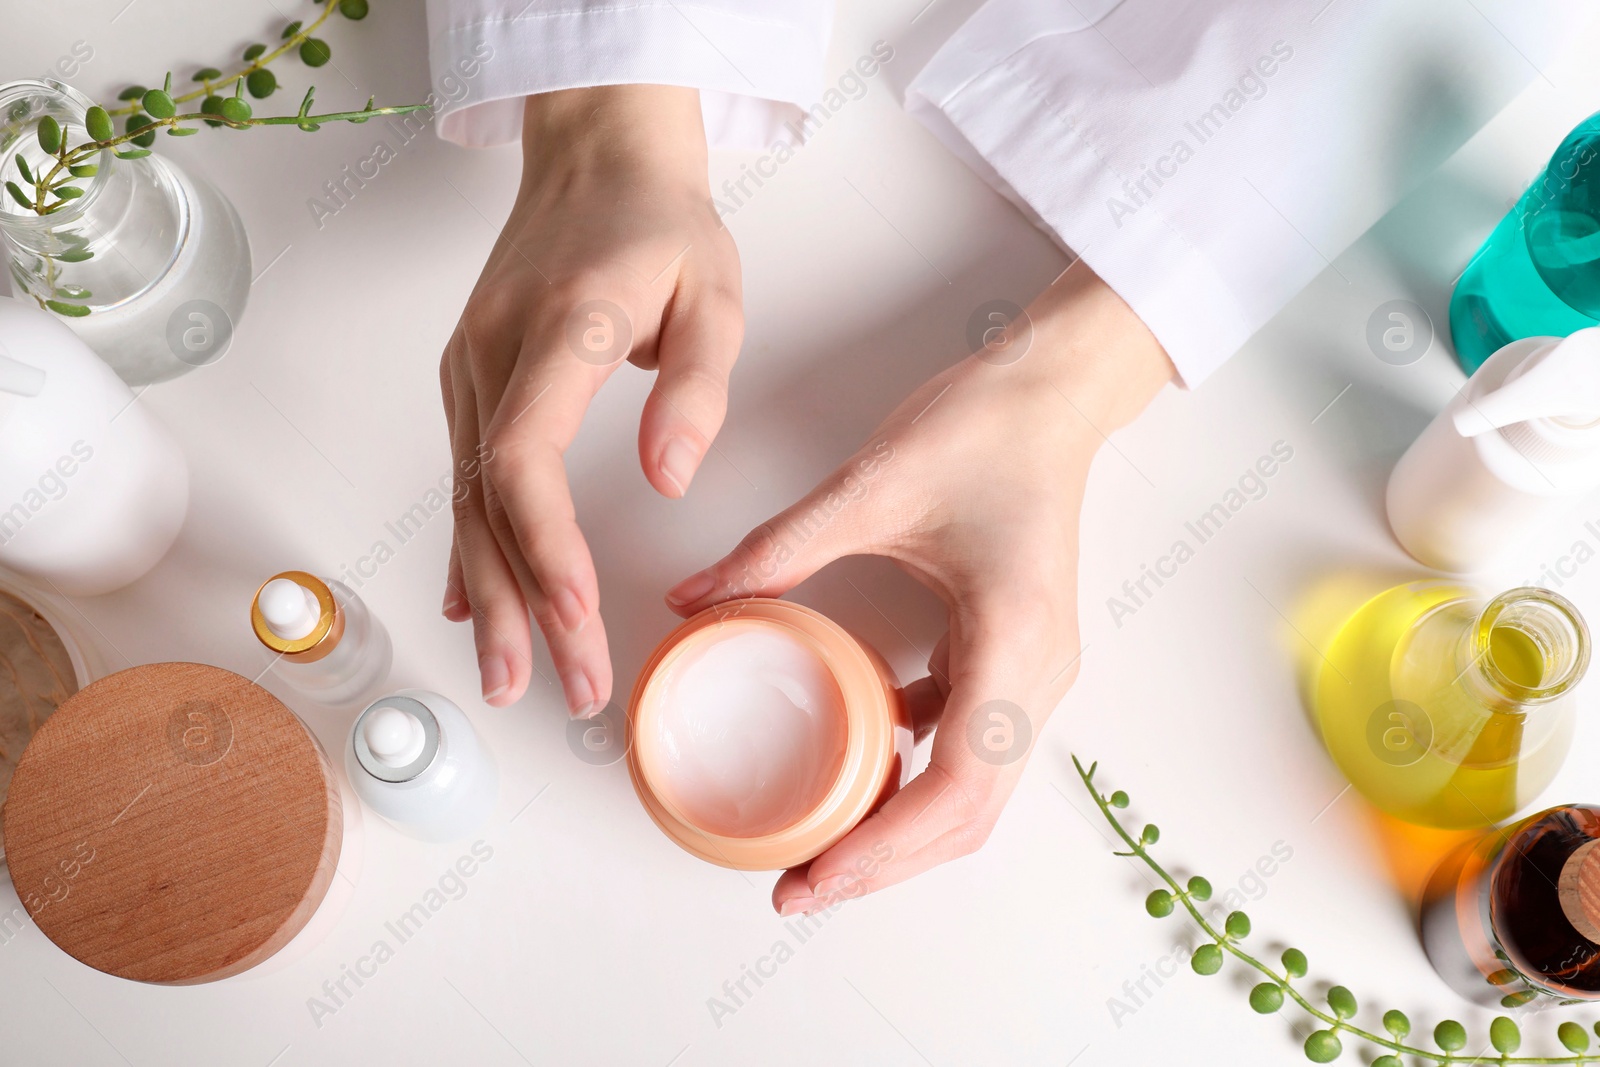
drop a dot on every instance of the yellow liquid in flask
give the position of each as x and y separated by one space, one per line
1445 712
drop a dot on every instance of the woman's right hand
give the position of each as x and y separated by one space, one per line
612 251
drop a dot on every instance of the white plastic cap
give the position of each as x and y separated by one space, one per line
394 736
291 610
1549 405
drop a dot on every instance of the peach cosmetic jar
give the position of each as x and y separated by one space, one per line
763 732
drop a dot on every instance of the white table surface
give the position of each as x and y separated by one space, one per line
590 938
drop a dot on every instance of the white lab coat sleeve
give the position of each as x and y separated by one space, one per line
1209 158
755 64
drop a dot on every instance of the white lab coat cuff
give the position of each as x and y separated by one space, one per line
755 68
1040 163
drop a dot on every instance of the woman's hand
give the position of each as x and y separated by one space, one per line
612 251
973 486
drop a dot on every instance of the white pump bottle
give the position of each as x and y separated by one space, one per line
1513 451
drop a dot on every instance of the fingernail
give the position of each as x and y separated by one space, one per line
569 609
691 589
796 905
829 887
496 676
580 694
588 711
453 601
678 461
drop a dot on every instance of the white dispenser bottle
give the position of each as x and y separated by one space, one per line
330 647
415 759
1514 450
93 489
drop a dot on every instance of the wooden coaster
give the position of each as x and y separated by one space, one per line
172 823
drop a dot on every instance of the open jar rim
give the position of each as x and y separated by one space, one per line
872 707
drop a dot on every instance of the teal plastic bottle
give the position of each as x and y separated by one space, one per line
1538 274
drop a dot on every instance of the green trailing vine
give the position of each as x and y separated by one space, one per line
1325 1044
47 189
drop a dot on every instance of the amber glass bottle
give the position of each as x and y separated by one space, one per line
1514 916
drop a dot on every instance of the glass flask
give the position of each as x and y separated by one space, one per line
151 263
1513 917
1448 711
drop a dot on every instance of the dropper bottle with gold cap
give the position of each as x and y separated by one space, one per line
328 645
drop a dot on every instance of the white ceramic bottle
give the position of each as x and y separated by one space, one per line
330 647
1514 450
415 759
93 489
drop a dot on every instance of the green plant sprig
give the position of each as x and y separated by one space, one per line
296 37
75 162
1323 1045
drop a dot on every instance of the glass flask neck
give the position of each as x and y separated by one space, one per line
99 250
1527 647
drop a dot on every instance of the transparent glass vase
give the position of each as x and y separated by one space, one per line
157 256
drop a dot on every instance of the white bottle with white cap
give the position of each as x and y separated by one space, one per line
329 646
415 759
1513 451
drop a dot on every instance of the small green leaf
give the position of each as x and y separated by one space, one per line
1119 799
253 53
133 153
207 74
1573 1036
353 9
159 104
1199 888
310 127
1294 963
27 175
1267 997
98 123
1342 1001
314 52
132 92
212 105
75 255
261 83
1517 1000
236 109
1504 1035
1237 925
137 121
1207 959
16 194
290 30
73 311
1452 1036
49 135
76 292
182 131
1158 903
84 170
67 192
1388 1061
1323 1046
1396 1023
1151 834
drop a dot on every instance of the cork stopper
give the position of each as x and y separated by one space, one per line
1579 890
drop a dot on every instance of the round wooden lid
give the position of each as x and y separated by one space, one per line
172 823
